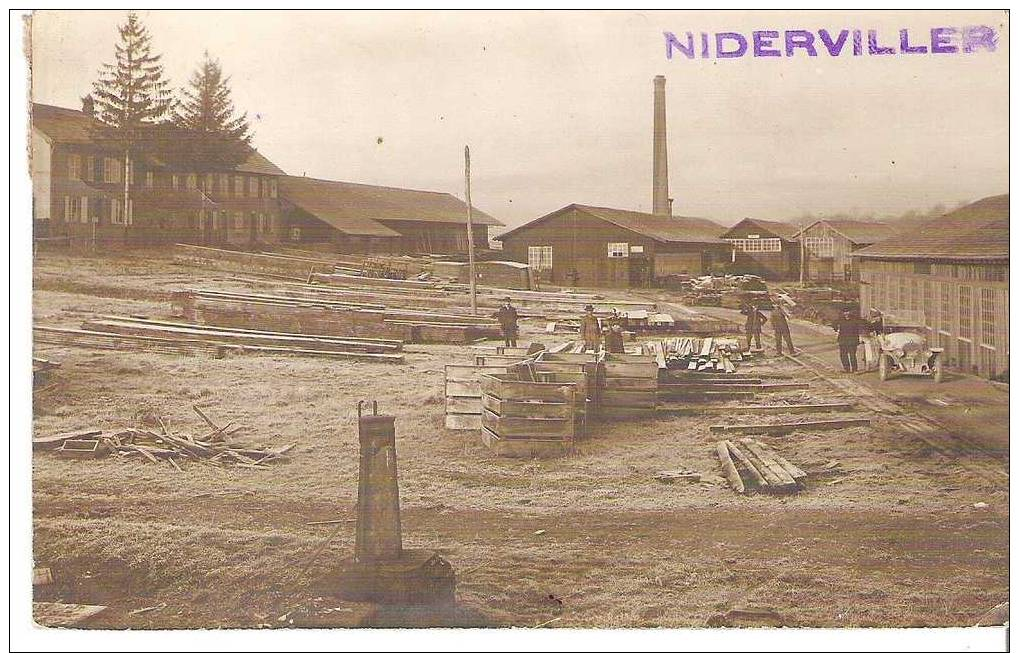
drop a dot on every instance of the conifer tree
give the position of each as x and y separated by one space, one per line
216 137
131 98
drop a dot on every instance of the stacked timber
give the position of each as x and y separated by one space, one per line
628 386
581 369
463 390
140 334
710 354
527 418
228 260
750 466
325 316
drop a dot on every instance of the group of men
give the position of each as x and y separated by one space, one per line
591 330
779 322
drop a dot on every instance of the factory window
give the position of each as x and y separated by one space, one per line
619 250
946 307
928 302
74 166
540 257
756 244
965 312
150 179
820 246
914 296
175 181
987 311
192 181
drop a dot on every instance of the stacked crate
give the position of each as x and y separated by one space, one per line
628 387
528 418
463 389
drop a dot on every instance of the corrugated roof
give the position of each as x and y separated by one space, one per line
63 125
977 231
675 229
783 230
345 201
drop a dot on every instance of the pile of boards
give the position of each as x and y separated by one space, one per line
216 447
750 465
130 333
711 354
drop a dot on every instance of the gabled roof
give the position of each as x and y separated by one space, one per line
977 231
63 125
783 230
859 232
675 229
343 204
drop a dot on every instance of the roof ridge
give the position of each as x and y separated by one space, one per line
358 183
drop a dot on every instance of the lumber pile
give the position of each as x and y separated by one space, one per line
463 389
710 354
750 465
784 428
629 386
217 446
212 258
527 418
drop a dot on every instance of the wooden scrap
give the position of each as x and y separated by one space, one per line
62 615
724 457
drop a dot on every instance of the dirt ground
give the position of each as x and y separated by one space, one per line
888 536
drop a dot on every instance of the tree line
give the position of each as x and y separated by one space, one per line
196 129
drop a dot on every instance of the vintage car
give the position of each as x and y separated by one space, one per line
904 351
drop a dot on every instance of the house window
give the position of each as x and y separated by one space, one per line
272 188
619 250
72 209
238 186
253 186
116 212
756 244
295 233
540 257
111 171
987 311
239 220
224 184
74 166
90 168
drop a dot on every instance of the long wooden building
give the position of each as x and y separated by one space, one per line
954 274
766 248
828 246
593 246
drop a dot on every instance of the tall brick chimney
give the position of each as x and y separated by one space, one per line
660 202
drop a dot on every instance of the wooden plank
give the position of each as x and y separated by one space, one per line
463 388
528 427
463 422
798 474
765 410
729 468
789 427
526 408
752 472
625 398
772 471
624 413
682 398
63 615
630 383
523 448
462 372
527 390
54 441
641 370
463 405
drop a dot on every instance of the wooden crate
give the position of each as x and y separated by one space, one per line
530 418
463 394
628 386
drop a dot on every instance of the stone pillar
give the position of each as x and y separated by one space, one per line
378 493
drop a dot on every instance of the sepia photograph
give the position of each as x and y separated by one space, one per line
581 320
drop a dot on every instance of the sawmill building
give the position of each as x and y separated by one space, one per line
828 246
592 246
953 275
766 248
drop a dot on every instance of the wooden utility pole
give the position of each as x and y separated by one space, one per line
803 259
470 232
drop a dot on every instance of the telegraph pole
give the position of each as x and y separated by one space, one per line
470 232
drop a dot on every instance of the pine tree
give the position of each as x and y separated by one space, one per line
132 99
216 138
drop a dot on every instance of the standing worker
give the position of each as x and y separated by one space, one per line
848 327
755 320
780 322
589 329
507 317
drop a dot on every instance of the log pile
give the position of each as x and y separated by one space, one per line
750 465
217 446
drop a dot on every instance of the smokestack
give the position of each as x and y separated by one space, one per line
660 202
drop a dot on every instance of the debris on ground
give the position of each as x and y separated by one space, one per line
749 464
673 475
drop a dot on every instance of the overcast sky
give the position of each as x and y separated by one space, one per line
557 106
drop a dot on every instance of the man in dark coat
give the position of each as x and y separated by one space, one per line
755 320
590 330
849 328
507 317
780 323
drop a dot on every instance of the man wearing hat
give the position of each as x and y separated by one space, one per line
507 317
589 329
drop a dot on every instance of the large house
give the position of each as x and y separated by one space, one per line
78 192
766 248
78 195
593 246
952 274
